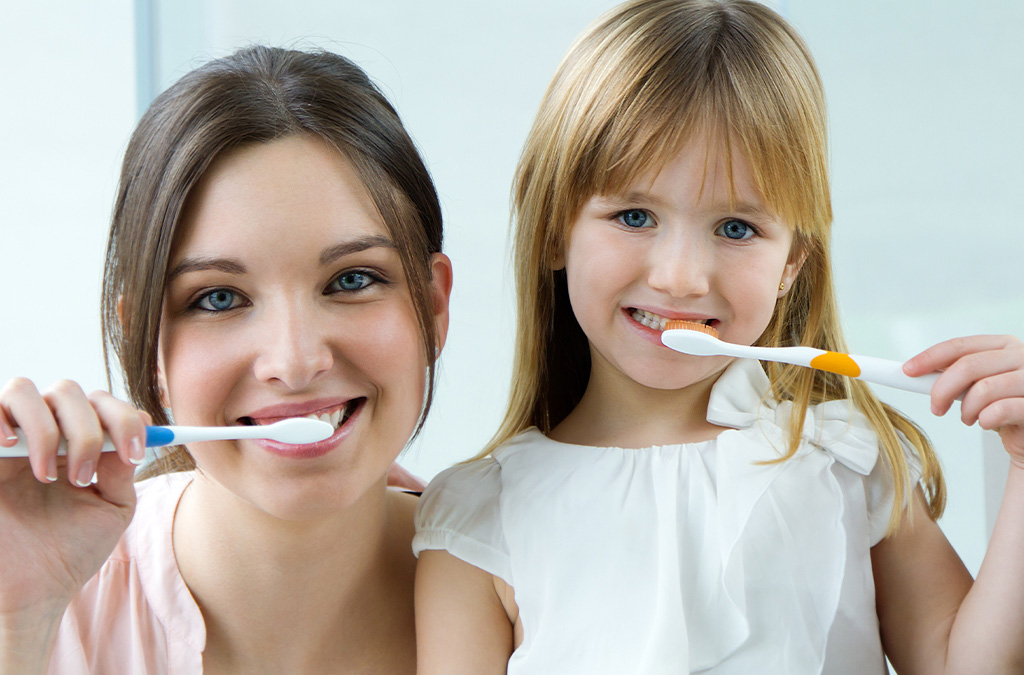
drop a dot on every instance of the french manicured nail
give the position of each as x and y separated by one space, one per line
51 469
85 474
6 430
136 451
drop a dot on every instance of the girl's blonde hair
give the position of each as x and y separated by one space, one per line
633 89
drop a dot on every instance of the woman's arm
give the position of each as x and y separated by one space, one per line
55 534
933 620
461 622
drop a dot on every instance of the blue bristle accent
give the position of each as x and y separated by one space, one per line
156 436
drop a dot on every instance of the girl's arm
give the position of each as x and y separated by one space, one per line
56 534
461 622
933 620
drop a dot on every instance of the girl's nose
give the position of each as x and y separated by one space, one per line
679 266
291 349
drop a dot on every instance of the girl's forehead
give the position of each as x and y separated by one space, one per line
707 167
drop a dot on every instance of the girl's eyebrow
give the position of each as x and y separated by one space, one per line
331 254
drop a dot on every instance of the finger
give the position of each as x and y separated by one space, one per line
80 425
942 355
400 478
979 378
115 480
24 408
7 436
125 425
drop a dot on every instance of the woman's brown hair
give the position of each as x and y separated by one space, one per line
256 95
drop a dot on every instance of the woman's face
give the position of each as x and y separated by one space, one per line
286 298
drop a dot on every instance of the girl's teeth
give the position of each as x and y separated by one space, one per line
648 319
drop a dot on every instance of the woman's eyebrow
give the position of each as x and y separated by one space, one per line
332 253
200 264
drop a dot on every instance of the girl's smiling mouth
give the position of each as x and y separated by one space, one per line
657 322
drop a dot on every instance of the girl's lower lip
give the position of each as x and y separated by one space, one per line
312 450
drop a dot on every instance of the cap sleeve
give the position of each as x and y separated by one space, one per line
460 513
880 489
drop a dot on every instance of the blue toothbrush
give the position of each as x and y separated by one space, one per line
296 430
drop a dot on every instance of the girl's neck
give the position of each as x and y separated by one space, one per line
298 596
616 411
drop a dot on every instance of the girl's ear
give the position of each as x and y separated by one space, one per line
557 260
440 293
792 269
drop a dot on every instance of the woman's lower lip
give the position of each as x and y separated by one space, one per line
312 450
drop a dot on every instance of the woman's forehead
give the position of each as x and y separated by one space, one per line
290 192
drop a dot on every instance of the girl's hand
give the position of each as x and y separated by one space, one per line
56 526
989 371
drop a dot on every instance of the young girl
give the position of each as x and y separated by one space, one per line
274 253
643 511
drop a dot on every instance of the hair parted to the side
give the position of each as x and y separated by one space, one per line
256 95
644 79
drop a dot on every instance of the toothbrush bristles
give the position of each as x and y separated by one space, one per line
679 324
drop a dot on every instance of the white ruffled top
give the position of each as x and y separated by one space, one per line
684 558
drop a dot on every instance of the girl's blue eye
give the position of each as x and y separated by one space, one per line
736 229
218 300
635 218
352 281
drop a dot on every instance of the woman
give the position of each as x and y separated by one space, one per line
295 237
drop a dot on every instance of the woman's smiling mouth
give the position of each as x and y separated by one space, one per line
336 416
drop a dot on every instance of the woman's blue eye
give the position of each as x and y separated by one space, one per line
635 218
352 281
736 229
218 300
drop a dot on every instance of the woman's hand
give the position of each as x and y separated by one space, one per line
57 527
988 370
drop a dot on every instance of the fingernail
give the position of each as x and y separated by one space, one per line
136 451
6 430
51 469
85 474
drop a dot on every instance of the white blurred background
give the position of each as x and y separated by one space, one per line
927 145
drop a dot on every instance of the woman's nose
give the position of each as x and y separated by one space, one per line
291 348
679 266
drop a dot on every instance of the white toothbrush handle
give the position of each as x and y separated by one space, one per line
171 435
890 373
20 449
797 356
184 435
872 369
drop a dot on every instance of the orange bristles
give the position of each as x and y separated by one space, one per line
679 324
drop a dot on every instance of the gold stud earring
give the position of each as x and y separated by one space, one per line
782 285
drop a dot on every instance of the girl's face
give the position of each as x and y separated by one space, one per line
286 298
677 244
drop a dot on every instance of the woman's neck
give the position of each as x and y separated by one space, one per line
303 596
616 411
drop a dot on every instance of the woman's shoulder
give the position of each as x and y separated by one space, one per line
137 601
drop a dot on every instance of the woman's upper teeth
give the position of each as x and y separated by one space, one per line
332 417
